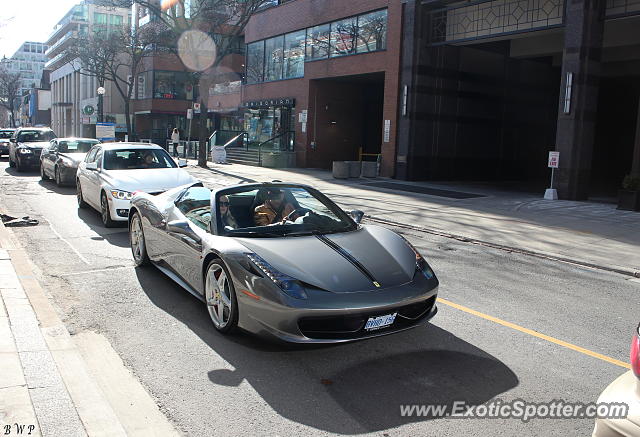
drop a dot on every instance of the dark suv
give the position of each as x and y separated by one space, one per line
26 146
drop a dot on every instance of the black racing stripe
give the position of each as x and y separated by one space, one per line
346 255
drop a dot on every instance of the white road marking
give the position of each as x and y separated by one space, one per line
84 272
69 244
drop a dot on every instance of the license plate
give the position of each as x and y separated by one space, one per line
380 322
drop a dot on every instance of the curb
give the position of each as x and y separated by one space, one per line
91 393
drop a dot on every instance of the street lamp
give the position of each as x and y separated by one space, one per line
101 92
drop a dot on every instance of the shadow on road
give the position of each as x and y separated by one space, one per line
65 190
118 236
332 388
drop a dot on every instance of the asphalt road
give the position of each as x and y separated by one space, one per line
209 384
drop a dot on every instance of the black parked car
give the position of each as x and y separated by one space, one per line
5 136
26 146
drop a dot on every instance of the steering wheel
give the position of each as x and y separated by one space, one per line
299 212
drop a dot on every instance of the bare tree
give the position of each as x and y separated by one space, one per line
114 56
10 84
223 21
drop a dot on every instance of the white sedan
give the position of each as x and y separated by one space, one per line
111 173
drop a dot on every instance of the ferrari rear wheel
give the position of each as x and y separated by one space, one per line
137 241
221 297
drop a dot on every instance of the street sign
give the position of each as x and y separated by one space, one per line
196 106
387 131
554 159
189 114
105 131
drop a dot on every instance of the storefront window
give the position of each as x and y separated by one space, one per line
274 50
255 62
343 37
172 85
318 42
372 32
272 127
294 54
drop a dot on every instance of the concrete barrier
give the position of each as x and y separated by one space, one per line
340 169
369 169
355 168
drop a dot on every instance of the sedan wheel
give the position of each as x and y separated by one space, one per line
104 212
81 202
137 242
43 175
221 297
58 177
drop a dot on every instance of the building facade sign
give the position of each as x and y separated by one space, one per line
267 103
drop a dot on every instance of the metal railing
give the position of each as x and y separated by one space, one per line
289 139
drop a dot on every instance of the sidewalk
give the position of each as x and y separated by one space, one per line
47 387
589 233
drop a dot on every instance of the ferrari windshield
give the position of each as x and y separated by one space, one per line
28 136
76 146
279 210
136 159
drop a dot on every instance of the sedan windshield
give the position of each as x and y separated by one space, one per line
5 134
135 159
28 136
279 211
79 146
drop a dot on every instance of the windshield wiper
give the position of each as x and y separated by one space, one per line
255 234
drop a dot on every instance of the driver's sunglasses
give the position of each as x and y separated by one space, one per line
224 203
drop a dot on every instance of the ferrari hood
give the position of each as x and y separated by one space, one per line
148 180
368 259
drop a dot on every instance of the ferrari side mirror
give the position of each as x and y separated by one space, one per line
356 215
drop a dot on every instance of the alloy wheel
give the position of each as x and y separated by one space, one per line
218 296
136 237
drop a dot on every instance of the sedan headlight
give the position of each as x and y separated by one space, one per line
121 195
421 263
286 283
25 151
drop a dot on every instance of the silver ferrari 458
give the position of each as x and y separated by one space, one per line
282 260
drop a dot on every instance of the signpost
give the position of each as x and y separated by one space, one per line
554 159
106 131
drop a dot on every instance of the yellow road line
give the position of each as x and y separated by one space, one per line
536 334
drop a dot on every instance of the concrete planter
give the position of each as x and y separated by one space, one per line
629 200
278 160
340 169
355 167
369 169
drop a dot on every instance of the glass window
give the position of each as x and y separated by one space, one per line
80 146
274 50
128 159
35 136
372 32
173 85
115 20
294 54
99 18
195 204
343 37
255 62
318 42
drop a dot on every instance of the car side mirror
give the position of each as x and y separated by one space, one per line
92 166
182 227
182 163
356 215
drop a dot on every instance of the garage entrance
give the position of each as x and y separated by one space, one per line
347 118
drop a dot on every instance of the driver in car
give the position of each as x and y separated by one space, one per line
149 161
274 210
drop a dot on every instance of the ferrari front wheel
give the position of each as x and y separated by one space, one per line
220 297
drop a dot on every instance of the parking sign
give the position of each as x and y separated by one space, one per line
554 159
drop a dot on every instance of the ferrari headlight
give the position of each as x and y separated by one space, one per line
289 285
25 151
121 195
421 263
